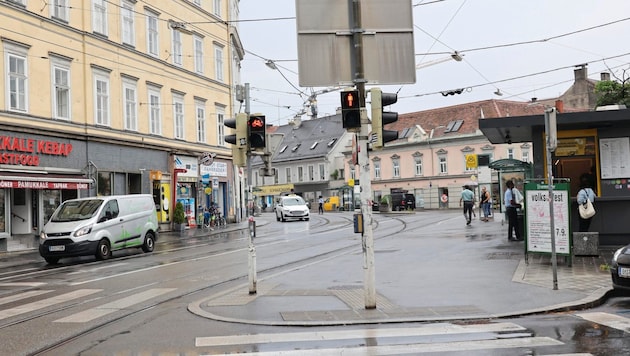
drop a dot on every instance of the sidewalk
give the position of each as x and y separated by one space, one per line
492 280
478 285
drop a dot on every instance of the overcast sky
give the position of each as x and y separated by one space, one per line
556 35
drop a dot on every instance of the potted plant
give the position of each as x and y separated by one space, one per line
179 217
385 204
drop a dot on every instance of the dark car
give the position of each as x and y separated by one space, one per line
620 268
402 201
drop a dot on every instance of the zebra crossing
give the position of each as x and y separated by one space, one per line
84 316
439 337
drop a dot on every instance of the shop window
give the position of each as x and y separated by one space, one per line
104 184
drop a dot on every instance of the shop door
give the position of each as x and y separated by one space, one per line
20 211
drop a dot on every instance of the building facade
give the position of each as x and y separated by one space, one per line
115 98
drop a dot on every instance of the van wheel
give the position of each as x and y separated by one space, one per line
52 260
149 242
103 251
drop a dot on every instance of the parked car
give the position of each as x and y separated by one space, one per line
402 201
620 268
292 207
99 225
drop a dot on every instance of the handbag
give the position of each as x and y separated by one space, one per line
587 210
513 202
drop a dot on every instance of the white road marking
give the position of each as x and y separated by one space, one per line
421 348
96 269
20 296
611 320
433 329
29 307
22 284
91 314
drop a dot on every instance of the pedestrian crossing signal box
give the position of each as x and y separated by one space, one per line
358 223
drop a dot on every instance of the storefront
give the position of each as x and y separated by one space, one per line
36 174
593 142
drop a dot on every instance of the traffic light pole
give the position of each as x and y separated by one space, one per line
367 239
251 223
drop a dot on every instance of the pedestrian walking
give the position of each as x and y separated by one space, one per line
485 204
321 205
467 199
585 193
512 200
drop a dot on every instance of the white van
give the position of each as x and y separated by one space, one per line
99 225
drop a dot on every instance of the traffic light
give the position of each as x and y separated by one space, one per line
256 131
238 139
381 118
350 109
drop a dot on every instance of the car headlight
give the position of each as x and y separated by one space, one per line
42 235
83 231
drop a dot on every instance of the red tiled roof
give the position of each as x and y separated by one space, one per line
470 113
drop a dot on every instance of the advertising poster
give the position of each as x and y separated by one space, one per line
538 218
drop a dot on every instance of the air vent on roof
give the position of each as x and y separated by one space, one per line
296 147
314 145
332 142
283 148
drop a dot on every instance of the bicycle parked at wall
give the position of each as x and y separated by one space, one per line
212 218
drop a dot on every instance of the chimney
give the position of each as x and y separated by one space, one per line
605 76
580 72
559 106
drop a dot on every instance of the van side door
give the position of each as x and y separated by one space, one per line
110 221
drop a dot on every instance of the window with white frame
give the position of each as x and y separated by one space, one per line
220 110
218 62
197 2
377 169
61 88
322 172
177 47
300 174
17 77
99 16
287 172
443 164
155 111
130 110
311 172
101 98
276 179
217 7
60 9
127 21
417 164
510 153
22 2
198 45
200 114
525 156
178 116
396 167
153 42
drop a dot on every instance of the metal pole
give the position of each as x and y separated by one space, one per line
367 238
251 223
551 213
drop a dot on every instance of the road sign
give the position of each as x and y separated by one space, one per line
471 161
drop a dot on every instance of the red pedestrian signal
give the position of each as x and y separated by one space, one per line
350 109
257 131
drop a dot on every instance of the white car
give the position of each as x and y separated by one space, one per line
292 207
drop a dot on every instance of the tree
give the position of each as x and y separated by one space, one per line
611 92
179 217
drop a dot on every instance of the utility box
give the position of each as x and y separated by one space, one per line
586 243
358 223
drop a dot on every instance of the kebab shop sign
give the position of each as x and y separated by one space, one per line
27 151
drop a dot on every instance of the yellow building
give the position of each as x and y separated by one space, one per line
98 94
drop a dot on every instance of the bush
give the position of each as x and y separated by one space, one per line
179 217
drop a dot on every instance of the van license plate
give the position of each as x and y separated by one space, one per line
624 272
57 248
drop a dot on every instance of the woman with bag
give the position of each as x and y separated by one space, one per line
585 197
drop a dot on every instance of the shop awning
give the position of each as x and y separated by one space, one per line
43 181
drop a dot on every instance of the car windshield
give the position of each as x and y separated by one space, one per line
293 201
76 210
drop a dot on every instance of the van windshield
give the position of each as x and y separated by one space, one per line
76 210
